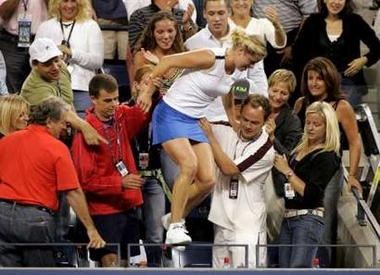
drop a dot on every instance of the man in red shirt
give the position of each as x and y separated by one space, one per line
107 172
34 167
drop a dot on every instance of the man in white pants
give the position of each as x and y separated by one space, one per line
238 208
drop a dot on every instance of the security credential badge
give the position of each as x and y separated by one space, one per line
24 30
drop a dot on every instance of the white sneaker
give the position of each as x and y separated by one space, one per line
177 234
166 220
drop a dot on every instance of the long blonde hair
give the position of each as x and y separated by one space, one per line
84 10
11 108
253 44
332 134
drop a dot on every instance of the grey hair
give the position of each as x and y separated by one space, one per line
51 108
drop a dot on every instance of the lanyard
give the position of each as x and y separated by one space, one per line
66 41
25 4
118 157
245 147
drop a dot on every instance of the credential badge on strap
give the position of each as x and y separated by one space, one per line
24 30
120 166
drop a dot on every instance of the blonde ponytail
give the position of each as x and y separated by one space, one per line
253 44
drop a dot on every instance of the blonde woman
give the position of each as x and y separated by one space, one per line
14 114
284 129
311 166
81 42
321 82
208 74
268 28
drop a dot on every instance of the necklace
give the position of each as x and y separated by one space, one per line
67 24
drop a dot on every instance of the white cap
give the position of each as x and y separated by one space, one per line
43 49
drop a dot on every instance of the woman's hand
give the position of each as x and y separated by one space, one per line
158 82
144 100
353 182
270 126
272 15
206 127
151 57
281 163
187 15
355 66
66 52
287 57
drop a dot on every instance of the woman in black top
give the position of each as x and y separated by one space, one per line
283 126
311 166
284 130
336 33
320 82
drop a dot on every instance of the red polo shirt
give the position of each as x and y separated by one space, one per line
34 166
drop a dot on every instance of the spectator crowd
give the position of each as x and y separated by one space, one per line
244 104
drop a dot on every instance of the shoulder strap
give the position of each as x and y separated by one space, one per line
335 105
256 156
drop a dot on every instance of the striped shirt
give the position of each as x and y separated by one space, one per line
290 12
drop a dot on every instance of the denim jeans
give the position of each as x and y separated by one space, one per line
153 210
300 231
25 224
353 92
330 202
201 21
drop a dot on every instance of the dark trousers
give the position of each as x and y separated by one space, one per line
25 224
16 62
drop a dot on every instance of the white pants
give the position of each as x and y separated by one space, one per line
114 41
235 253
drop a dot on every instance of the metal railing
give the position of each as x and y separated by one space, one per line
181 251
341 246
190 247
73 260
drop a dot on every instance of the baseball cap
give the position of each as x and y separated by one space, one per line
43 49
240 88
